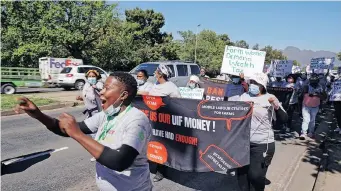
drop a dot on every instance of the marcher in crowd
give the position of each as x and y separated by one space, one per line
90 96
90 91
279 83
237 87
203 73
337 105
194 82
164 87
123 132
143 86
301 82
262 142
312 96
292 105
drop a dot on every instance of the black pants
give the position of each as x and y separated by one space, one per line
290 111
252 177
337 114
300 105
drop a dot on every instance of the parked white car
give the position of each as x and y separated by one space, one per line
74 76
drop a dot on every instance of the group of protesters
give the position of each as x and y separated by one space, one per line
123 131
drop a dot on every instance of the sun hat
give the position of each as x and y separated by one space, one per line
260 78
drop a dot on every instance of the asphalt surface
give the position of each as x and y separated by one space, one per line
38 90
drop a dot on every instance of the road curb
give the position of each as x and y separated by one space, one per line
45 107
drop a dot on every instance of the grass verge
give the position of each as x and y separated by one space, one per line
9 101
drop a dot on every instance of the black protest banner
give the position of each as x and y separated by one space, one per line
197 135
215 90
282 94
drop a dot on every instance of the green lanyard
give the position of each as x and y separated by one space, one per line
106 129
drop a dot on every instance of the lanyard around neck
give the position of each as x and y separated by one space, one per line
107 128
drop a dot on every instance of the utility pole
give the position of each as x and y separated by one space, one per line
196 44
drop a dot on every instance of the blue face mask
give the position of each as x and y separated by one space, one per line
253 90
111 110
235 80
92 80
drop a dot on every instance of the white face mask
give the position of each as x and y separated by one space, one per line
191 85
140 82
111 110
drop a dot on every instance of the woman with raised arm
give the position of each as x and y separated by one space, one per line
123 132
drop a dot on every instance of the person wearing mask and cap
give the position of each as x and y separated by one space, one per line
203 73
313 94
123 133
163 86
193 82
262 142
143 86
279 83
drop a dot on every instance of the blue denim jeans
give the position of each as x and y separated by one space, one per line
309 116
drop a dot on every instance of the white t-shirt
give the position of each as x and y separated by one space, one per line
262 116
146 87
133 129
166 89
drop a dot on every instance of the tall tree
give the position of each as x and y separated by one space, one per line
255 47
339 56
242 44
272 54
296 63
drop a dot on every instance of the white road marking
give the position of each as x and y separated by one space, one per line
16 160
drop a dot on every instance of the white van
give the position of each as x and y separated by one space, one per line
49 68
74 76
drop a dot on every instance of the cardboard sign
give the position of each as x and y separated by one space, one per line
281 68
321 63
336 91
197 93
241 60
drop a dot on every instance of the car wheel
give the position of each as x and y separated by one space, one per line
8 89
79 84
67 88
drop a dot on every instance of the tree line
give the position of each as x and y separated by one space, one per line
100 35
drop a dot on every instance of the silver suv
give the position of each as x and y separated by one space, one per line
181 71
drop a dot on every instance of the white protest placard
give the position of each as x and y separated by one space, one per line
322 63
296 69
241 60
336 91
281 68
197 93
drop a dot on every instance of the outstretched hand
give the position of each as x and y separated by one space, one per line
28 106
68 125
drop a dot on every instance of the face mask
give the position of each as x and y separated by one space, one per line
253 90
92 80
235 80
140 82
191 85
111 110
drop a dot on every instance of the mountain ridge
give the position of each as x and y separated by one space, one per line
304 56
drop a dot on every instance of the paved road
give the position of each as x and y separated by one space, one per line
38 90
71 169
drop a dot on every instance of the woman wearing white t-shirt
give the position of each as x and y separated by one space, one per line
262 142
164 87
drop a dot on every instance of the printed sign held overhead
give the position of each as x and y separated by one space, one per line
321 63
241 60
281 68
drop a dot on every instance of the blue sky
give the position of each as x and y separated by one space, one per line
306 25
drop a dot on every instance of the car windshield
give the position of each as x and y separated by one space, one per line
149 67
